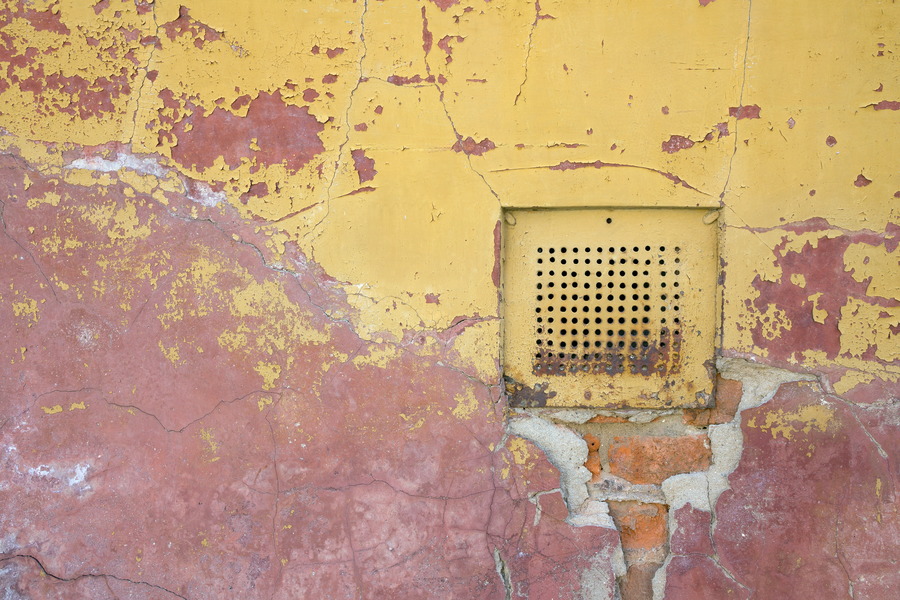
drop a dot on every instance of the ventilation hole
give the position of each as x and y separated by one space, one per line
608 220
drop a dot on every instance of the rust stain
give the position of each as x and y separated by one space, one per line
521 396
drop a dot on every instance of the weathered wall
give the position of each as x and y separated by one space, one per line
251 296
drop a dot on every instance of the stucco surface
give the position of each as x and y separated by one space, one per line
252 300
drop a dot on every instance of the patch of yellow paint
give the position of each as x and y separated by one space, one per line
798 279
877 266
27 308
378 356
171 353
864 326
119 223
52 410
77 406
819 314
773 321
466 404
787 424
263 402
49 198
518 448
269 372
212 446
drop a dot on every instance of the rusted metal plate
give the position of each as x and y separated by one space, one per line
609 307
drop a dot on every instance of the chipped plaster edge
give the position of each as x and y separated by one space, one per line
568 452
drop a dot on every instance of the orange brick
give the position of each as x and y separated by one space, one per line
641 526
606 419
728 396
651 459
593 460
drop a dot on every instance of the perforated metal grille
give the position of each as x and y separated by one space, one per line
613 309
609 307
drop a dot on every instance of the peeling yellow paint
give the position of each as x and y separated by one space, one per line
819 314
52 410
27 308
49 198
787 424
212 446
466 405
269 372
171 353
77 406
877 266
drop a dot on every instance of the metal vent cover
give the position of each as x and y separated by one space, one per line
609 307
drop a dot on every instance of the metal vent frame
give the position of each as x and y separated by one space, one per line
610 307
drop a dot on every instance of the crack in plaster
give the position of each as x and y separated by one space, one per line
145 78
349 128
503 573
25 250
90 575
740 102
537 17
569 165
198 419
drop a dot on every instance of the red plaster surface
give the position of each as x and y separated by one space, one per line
193 481
284 133
808 513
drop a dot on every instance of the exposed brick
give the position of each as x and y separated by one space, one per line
592 463
649 459
607 419
637 584
728 396
642 529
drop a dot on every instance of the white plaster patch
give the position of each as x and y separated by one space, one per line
564 449
144 166
75 477
687 488
203 194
